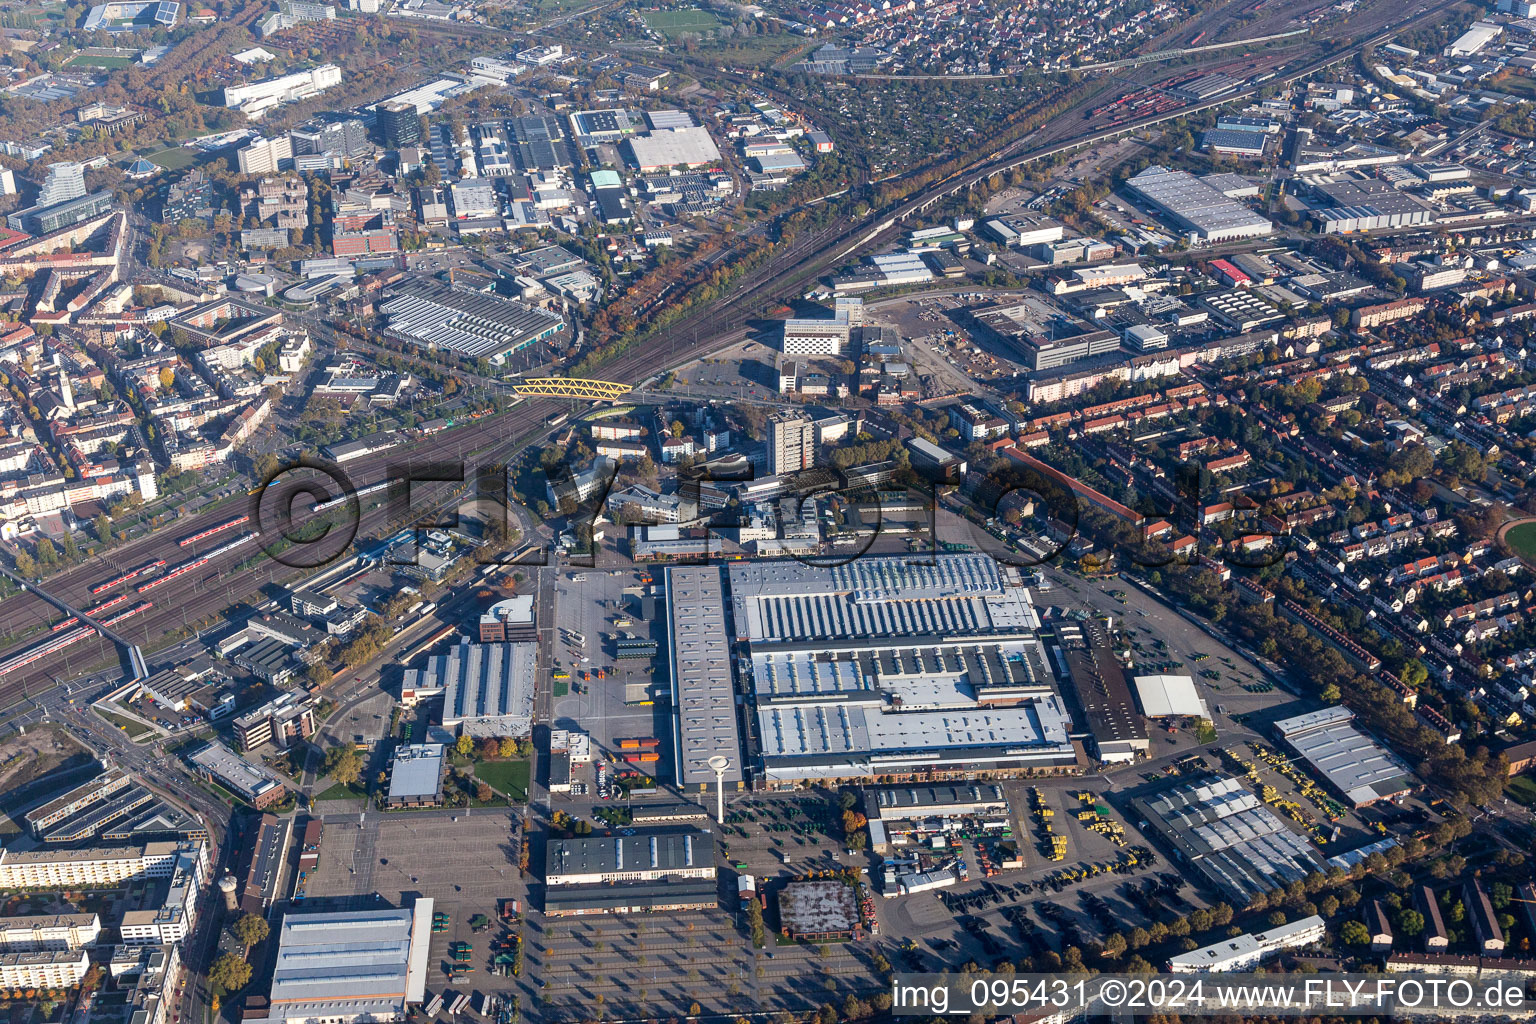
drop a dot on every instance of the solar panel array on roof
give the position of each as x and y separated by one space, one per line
960 594
1196 206
841 731
831 616
538 143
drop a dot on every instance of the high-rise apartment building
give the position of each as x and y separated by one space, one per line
791 443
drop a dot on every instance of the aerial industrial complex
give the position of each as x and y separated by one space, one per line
693 511
881 667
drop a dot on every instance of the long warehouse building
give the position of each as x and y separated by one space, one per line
703 692
350 967
465 322
1205 213
1353 763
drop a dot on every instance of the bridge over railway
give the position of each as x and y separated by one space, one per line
133 657
571 387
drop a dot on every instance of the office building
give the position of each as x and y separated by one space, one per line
64 181
265 156
252 783
48 932
817 336
1042 336
348 138
791 443
282 722
416 775
349 967
256 98
399 125
1245 951
1144 338
45 220
510 620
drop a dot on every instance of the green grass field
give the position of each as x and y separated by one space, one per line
675 23
89 61
341 792
1522 540
1522 789
173 159
132 728
508 777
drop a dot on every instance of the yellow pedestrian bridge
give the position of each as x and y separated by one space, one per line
571 387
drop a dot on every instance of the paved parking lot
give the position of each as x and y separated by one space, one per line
466 861
590 603
660 965
366 722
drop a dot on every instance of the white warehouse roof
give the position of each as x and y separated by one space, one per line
1167 696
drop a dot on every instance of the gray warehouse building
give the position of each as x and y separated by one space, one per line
1215 825
703 693
1353 763
487 688
1205 213
350 967
646 856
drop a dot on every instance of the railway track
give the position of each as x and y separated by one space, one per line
696 335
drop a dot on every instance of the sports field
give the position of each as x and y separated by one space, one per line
1521 539
172 159
675 23
87 60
